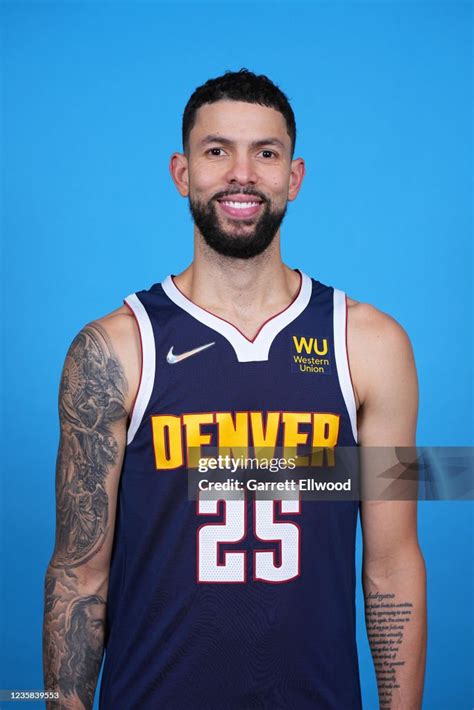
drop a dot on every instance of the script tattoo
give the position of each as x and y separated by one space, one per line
91 399
386 621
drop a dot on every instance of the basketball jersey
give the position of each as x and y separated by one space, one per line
240 604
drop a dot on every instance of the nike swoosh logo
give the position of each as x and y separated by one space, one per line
172 359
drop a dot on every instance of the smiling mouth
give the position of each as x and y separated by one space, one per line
240 206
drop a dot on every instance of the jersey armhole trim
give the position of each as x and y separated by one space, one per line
342 357
148 364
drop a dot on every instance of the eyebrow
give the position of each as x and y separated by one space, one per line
254 144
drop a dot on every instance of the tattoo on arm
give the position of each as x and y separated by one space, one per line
91 399
386 622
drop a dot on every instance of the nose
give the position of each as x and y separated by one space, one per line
242 170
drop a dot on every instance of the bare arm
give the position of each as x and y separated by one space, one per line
94 400
393 576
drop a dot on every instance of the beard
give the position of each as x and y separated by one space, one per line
230 242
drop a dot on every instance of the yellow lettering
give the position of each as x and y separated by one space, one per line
325 436
233 436
194 438
292 437
167 444
325 347
267 439
303 343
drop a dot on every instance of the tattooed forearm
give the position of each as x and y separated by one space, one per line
91 405
72 643
395 609
386 619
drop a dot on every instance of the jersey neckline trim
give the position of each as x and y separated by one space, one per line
250 340
245 349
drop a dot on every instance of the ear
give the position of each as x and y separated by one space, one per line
180 173
296 177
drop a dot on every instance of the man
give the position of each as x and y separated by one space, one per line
231 603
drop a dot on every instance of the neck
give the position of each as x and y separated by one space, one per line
225 285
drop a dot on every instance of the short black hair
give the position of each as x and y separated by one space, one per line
242 85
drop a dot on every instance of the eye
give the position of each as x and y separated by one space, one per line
268 153
215 152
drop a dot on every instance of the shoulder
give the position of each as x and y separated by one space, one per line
369 322
378 348
121 327
120 340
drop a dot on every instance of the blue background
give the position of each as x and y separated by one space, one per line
92 100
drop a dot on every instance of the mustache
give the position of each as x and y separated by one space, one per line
240 191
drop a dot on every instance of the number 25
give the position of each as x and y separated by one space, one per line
234 529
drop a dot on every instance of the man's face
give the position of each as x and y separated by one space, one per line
239 176
94 628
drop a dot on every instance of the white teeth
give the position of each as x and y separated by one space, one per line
240 205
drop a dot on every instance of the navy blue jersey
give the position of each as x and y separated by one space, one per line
237 604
